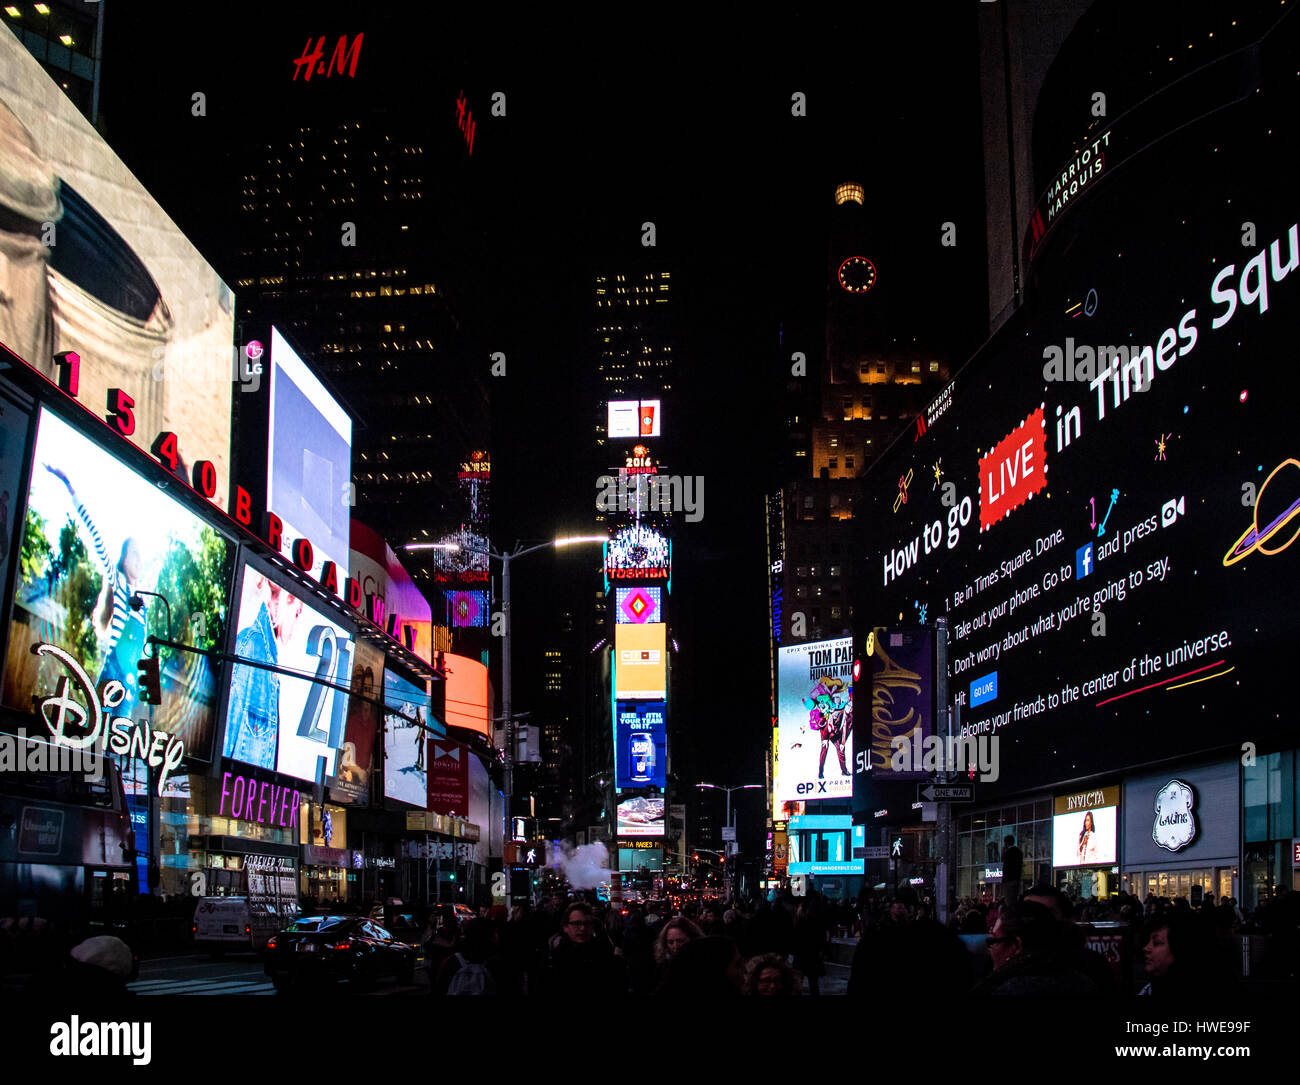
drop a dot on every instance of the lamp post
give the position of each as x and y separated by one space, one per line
506 557
730 824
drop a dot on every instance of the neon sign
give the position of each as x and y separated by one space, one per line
312 61
117 734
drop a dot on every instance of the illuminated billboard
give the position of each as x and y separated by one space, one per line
467 694
815 712
94 266
640 744
466 609
93 534
634 418
1105 504
309 459
408 726
638 606
637 553
356 760
1085 828
275 720
463 558
376 568
640 662
641 816
825 844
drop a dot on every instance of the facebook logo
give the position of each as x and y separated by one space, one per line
1082 561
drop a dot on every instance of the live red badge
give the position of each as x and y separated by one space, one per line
1013 471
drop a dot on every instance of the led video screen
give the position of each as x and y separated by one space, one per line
638 606
1104 504
640 744
94 533
641 816
276 720
309 460
1085 837
815 720
640 662
94 266
408 725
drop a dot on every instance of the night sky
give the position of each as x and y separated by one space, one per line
611 124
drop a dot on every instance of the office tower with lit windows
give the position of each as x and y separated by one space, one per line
68 40
358 237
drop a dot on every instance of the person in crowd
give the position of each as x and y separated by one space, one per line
99 966
1013 865
1074 947
1182 955
439 940
672 937
708 967
769 974
908 955
1029 951
583 965
810 941
475 967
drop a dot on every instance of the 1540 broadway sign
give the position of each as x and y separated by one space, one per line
63 712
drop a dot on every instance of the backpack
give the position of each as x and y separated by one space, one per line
471 979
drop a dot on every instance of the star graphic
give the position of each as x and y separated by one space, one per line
938 474
1162 443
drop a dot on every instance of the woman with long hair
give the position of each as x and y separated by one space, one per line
1088 851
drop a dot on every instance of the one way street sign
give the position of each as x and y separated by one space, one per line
946 793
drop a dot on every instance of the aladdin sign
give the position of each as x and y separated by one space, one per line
116 734
1175 824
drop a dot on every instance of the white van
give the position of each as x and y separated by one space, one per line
231 923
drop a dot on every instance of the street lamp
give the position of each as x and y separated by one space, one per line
730 824
506 705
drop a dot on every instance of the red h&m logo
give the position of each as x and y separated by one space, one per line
1013 471
312 61
465 120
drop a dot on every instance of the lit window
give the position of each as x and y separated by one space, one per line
12 11
916 367
43 9
934 367
850 193
67 40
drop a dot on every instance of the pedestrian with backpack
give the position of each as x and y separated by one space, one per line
475 968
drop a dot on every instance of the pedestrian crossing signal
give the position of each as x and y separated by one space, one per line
149 682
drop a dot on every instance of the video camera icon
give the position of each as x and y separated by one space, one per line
1171 510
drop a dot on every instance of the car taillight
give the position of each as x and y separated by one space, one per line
341 945
270 942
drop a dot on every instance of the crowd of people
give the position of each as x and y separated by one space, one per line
1037 942
1041 942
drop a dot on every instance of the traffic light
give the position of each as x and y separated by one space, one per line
149 681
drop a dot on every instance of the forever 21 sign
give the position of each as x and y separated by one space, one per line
203 480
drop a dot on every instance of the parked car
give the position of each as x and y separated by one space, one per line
338 947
